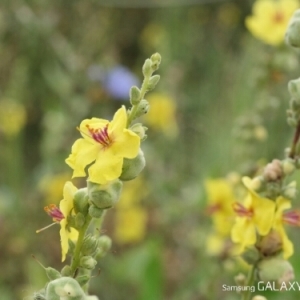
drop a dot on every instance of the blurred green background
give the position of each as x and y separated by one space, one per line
66 60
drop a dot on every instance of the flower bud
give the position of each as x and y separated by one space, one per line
140 130
275 269
88 262
79 220
273 171
81 201
52 273
142 108
153 82
240 279
156 60
251 255
66 271
83 279
259 297
288 166
104 245
95 212
64 288
290 191
292 35
90 245
147 69
294 89
270 244
104 195
135 95
133 167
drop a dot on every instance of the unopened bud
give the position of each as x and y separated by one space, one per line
90 245
66 271
95 212
292 35
294 89
140 130
104 195
104 245
275 269
81 201
270 244
290 191
288 166
240 279
135 95
251 255
259 297
79 220
83 279
152 82
156 60
133 167
88 262
147 69
273 171
142 108
52 273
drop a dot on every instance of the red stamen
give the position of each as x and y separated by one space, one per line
213 208
278 17
100 135
241 210
54 212
291 217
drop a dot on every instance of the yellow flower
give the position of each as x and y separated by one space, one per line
130 224
281 217
104 145
220 200
270 19
256 214
161 115
60 215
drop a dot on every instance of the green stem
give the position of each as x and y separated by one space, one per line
142 95
295 141
76 257
250 282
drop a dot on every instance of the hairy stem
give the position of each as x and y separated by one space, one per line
295 142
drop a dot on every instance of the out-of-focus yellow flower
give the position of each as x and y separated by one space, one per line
12 117
130 224
152 36
60 215
104 145
161 115
51 187
220 200
131 217
256 214
270 19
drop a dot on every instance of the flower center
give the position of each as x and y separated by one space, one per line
291 217
242 211
278 17
213 208
54 212
100 135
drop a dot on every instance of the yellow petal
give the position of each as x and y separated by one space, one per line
287 245
83 153
118 122
126 144
107 167
66 204
243 232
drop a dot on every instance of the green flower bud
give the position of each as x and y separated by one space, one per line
153 82
156 60
294 89
140 130
147 68
133 167
66 288
52 273
83 279
142 108
288 166
275 269
240 279
290 191
90 245
251 255
259 297
292 35
88 262
135 95
295 107
104 245
292 122
40 295
66 271
105 195
81 201
79 220
95 212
